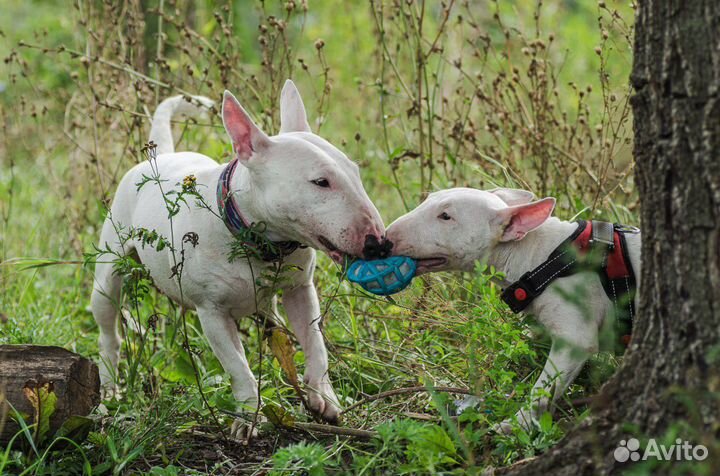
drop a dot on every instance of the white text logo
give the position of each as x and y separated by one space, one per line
629 450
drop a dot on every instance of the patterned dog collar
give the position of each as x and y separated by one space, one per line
267 250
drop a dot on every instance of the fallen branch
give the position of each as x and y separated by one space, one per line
424 416
404 390
282 419
334 430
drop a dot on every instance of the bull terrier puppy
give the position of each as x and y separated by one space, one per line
452 229
302 189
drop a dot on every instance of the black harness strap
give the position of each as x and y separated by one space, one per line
559 264
597 246
618 280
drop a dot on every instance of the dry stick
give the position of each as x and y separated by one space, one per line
334 430
404 390
120 67
159 49
368 434
314 428
318 427
578 402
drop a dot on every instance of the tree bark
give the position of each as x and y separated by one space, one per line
73 378
672 369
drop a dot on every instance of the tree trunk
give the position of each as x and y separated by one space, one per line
673 367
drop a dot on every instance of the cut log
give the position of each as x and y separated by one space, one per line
73 378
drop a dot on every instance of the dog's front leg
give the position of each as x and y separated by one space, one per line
563 364
222 334
303 310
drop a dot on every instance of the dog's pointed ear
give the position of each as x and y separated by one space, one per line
513 196
519 220
293 117
247 138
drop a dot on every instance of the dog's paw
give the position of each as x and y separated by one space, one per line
469 401
248 419
246 426
323 402
109 391
505 427
525 420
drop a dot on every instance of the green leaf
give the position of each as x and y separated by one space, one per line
75 428
397 151
523 437
277 415
112 448
43 400
102 468
24 428
284 351
181 369
546 422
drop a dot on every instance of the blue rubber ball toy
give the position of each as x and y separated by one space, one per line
383 276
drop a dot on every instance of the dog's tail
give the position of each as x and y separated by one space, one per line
161 130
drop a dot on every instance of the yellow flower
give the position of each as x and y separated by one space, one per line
189 182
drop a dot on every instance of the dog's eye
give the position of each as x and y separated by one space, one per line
444 216
321 182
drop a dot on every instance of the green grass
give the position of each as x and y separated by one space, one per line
445 331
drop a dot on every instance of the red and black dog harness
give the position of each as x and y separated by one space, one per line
594 245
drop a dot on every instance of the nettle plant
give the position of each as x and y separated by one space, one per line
466 92
474 100
126 57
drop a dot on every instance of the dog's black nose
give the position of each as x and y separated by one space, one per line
376 249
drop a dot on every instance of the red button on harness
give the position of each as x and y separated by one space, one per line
520 294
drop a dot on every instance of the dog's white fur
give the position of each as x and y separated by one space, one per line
273 185
454 228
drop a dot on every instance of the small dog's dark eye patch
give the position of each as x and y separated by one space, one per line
444 216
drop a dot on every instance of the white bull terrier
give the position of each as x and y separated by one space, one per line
504 228
303 189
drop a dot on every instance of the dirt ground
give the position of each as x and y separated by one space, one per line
208 452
